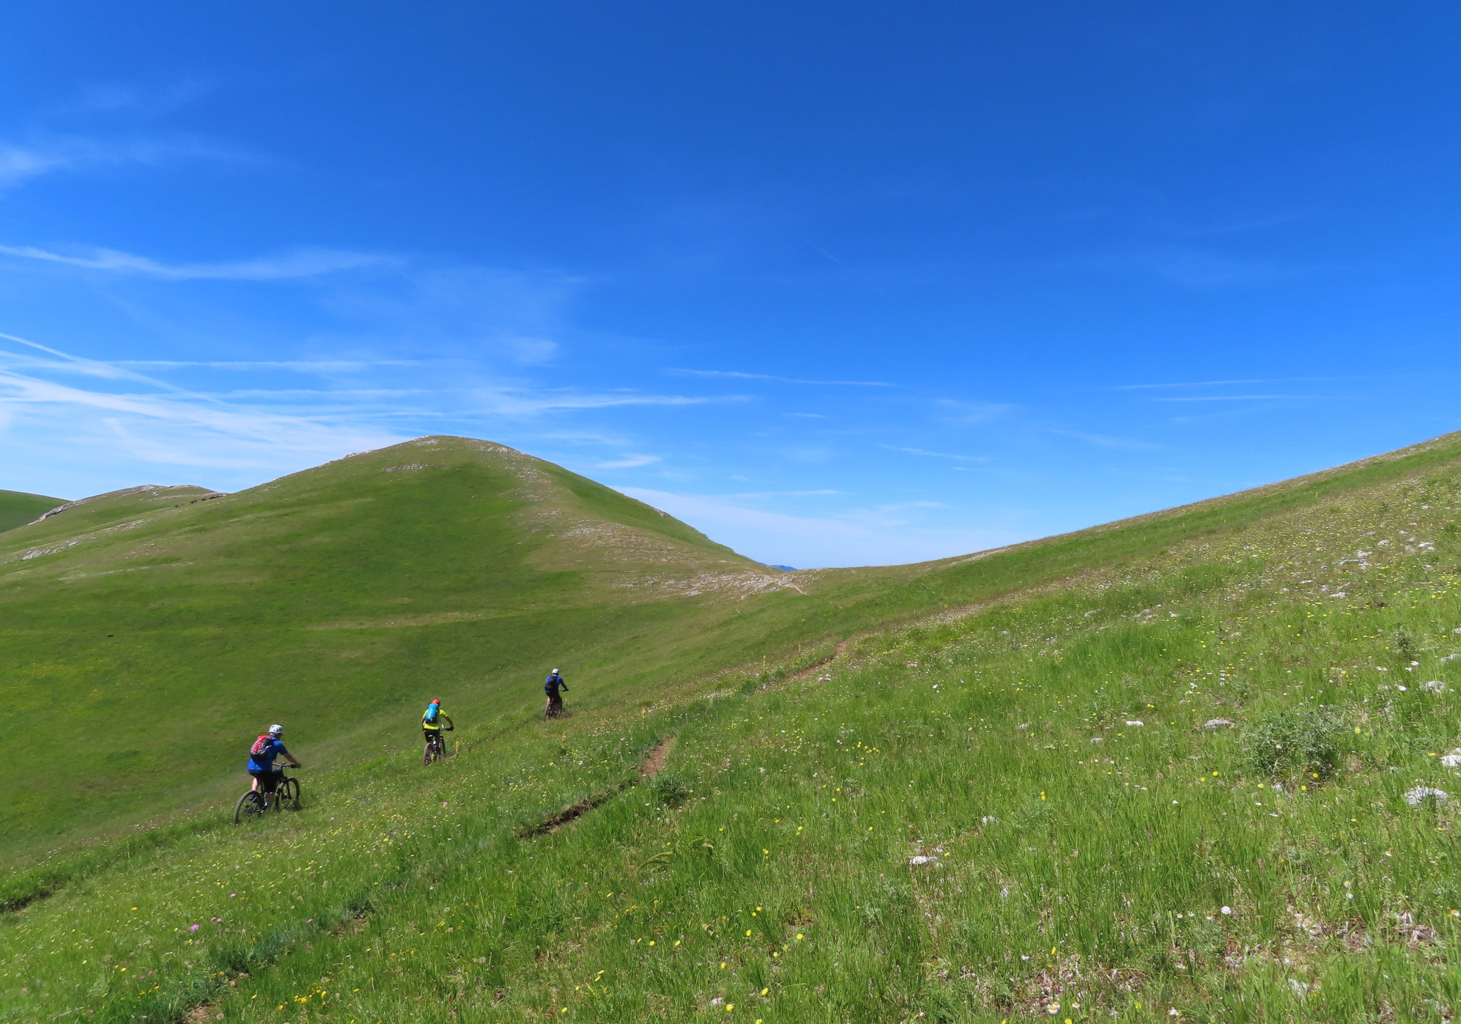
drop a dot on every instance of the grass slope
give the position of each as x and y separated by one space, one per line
18 508
1082 865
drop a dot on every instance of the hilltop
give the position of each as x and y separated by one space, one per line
167 621
18 508
1191 765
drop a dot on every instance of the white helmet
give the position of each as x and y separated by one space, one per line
276 730
554 672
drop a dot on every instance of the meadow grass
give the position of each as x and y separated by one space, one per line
168 622
956 820
18 508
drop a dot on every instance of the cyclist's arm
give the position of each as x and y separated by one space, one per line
449 723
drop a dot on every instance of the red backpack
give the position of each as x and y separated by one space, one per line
260 744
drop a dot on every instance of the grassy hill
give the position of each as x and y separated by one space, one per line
974 789
18 508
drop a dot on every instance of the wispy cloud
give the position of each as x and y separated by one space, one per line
781 494
1219 383
20 162
970 413
1129 444
936 455
285 266
738 375
295 365
1216 398
1195 384
629 461
856 537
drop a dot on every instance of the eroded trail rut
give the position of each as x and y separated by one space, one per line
648 769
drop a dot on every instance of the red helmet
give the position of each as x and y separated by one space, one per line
436 700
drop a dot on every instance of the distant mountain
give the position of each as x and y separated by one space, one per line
783 568
18 508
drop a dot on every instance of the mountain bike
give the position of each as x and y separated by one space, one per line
254 803
554 708
435 747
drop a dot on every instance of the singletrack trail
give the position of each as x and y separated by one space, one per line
648 769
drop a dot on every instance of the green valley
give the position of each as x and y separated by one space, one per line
1197 765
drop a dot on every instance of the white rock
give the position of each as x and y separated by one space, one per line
921 860
1434 686
1135 723
1417 796
1451 760
1098 739
1218 723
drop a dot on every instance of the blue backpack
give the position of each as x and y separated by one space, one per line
432 711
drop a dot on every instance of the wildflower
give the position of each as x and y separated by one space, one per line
765 990
799 936
1227 910
194 928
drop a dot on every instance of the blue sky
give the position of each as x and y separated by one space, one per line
836 283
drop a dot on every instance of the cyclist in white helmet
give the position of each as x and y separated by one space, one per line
261 768
551 686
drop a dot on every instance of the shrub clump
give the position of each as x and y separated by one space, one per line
1289 740
669 790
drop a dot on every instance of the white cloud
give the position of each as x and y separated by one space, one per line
811 542
1106 441
936 455
736 374
628 461
18 163
21 162
286 266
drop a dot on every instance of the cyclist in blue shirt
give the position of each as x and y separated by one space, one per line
261 758
551 686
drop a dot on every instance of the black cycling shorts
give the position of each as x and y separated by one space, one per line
428 733
268 780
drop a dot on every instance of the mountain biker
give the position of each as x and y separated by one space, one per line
431 721
551 686
261 768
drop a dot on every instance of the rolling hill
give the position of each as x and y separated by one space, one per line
1192 765
18 508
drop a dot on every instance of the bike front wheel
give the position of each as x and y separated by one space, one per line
249 807
287 796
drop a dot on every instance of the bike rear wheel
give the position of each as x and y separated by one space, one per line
250 807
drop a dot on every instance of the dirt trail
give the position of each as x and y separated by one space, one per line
656 759
799 673
648 769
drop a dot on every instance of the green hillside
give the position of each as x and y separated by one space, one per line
1157 770
18 508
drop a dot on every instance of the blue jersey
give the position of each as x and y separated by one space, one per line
552 684
264 762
